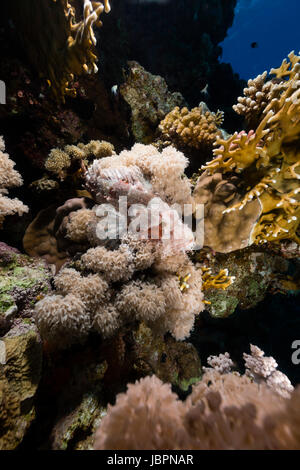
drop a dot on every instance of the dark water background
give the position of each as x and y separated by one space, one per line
272 24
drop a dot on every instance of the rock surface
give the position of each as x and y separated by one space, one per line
20 369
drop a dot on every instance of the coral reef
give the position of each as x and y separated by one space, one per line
181 43
19 378
9 177
266 165
149 100
264 369
64 48
90 297
23 281
224 411
118 286
224 232
251 274
76 383
197 128
257 95
59 161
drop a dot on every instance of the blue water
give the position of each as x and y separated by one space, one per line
273 24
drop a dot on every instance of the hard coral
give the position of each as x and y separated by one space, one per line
224 232
20 374
64 48
261 368
49 235
149 100
8 178
197 128
256 98
267 161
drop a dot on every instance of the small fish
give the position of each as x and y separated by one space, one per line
114 90
254 45
205 90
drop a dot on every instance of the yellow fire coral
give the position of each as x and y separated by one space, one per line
197 128
63 48
267 161
219 281
78 49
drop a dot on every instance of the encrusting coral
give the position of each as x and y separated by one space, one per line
266 166
224 232
224 411
48 237
9 177
65 47
197 128
126 275
149 99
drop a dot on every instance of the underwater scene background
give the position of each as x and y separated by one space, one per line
149 225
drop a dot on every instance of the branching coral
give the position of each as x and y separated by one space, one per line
256 98
65 47
218 281
259 368
267 162
131 275
8 178
221 363
224 411
197 128
264 369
